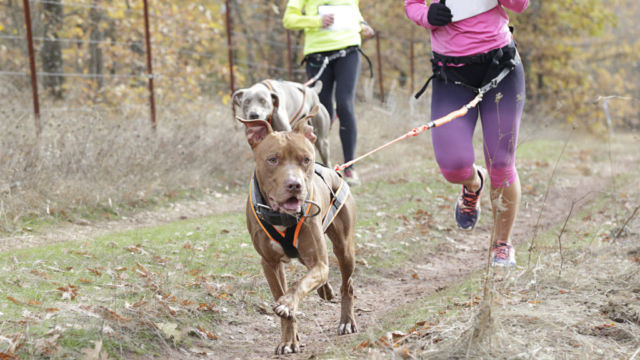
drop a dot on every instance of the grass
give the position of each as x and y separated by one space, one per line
129 288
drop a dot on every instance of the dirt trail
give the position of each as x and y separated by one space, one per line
191 209
255 338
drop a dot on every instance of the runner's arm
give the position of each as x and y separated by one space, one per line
417 11
294 20
515 5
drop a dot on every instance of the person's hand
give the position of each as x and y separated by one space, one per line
439 14
327 20
367 31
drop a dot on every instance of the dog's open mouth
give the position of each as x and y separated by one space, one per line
291 205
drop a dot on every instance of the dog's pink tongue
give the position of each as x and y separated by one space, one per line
291 204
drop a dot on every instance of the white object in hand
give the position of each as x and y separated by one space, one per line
464 9
345 17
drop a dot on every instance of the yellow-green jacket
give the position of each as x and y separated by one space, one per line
316 39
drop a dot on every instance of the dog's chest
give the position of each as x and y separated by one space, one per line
278 248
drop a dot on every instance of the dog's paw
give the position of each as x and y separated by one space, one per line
348 328
283 311
326 292
287 348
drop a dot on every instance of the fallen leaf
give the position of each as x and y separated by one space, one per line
68 292
110 315
12 299
363 345
94 271
8 356
209 334
34 303
169 330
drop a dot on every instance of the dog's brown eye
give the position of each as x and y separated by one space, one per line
306 161
272 160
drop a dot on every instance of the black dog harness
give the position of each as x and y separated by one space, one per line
288 239
298 114
498 62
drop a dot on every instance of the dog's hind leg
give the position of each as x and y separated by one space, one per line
274 272
341 233
326 292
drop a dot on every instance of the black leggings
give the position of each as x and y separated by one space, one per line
339 80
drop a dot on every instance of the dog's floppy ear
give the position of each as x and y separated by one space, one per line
236 98
317 87
304 128
257 130
275 100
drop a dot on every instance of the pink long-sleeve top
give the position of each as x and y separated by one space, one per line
475 35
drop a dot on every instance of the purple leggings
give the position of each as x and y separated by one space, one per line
500 112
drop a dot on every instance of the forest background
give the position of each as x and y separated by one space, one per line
574 51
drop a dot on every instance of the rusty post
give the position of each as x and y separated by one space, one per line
379 67
152 103
229 45
412 69
32 65
290 55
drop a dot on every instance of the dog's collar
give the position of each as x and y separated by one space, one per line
274 218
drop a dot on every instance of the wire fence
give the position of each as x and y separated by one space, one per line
92 57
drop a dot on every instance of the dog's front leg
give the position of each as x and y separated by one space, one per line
313 252
274 272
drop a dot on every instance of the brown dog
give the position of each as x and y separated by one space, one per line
301 199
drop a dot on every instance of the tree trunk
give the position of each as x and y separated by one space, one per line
96 59
51 49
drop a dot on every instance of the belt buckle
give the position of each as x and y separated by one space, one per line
342 53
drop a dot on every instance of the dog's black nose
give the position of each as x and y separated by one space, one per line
293 185
254 116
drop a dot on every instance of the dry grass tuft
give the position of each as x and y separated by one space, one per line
106 159
592 309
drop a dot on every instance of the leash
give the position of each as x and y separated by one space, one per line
432 124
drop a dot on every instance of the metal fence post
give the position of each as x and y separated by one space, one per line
230 46
379 66
412 69
152 102
290 55
32 65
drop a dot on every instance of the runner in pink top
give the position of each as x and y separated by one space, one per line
475 35
474 51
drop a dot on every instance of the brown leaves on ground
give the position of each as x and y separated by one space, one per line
41 273
68 292
204 333
110 315
396 339
8 356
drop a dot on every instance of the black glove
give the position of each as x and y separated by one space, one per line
439 14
